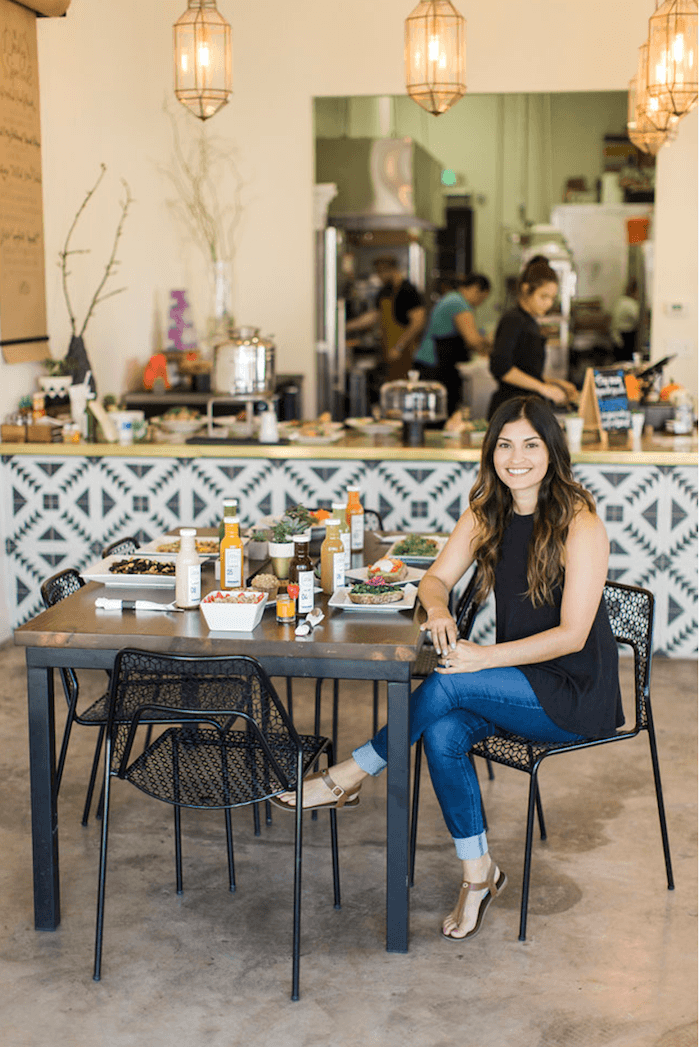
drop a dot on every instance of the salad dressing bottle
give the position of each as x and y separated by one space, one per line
332 558
231 556
188 571
355 516
301 573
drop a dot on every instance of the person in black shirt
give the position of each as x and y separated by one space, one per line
400 312
551 675
517 360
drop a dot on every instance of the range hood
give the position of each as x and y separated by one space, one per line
383 183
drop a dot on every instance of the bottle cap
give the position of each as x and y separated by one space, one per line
300 538
188 532
230 501
333 521
337 505
352 488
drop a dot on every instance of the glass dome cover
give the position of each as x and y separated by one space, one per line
414 400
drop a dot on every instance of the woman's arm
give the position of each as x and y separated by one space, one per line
416 323
548 388
466 325
586 566
441 577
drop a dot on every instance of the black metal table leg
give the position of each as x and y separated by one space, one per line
42 769
397 807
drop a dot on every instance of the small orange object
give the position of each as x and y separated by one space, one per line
293 590
157 367
672 387
633 387
320 514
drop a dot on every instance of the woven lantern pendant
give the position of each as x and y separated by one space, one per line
202 52
641 131
650 114
672 71
435 55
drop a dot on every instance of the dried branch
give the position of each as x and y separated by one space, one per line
63 255
112 263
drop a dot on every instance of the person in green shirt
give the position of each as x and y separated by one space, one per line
452 335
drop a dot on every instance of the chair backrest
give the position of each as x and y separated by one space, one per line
61 585
373 521
220 690
121 547
631 613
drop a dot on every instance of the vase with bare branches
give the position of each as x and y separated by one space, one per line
204 171
76 360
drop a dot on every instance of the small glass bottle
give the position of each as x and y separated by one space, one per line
332 558
188 571
338 509
230 509
287 606
231 556
301 573
355 516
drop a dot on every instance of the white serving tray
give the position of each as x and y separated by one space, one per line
342 601
100 572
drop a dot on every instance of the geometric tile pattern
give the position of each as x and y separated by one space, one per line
60 512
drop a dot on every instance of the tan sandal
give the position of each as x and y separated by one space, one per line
494 887
342 799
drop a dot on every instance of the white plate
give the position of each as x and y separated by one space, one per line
180 426
342 601
164 539
100 572
297 437
440 541
374 427
360 574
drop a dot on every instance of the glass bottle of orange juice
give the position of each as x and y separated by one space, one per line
355 516
231 555
332 558
339 513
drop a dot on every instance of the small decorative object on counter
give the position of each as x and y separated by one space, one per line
286 605
231 556
188 571
355 517
332 558
269 430
339 513
38 406
301 573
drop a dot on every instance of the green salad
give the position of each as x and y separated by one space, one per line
416 545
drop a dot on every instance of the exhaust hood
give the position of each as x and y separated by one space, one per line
383 183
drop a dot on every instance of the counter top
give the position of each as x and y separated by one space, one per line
657 449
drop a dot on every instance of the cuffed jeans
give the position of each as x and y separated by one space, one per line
452 711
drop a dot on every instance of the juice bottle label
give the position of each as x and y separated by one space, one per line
338 570
305 600
345 539
233 568
357 532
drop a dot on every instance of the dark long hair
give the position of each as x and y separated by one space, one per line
558 500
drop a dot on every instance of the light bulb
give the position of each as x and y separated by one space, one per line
184 62
433 49
203 54
678 48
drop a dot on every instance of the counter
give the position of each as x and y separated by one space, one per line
65 502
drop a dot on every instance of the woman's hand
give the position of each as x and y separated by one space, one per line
443 630
554 393
467 657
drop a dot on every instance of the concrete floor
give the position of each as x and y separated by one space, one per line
610 960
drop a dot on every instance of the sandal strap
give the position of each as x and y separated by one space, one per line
339 793
488 884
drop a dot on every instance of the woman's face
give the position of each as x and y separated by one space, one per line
539 301
521 459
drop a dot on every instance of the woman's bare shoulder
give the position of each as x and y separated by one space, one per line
586 523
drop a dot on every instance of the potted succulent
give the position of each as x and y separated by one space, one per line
57 379
279 538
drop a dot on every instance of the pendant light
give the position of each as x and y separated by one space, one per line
649 109
202 52
640 130
435 55
672 70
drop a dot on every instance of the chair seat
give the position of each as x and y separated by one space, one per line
197 767
511 750
426 662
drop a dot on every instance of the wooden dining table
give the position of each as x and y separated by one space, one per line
347 645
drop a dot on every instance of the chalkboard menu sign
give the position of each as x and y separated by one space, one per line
611 395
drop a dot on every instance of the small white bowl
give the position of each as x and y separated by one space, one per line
233 617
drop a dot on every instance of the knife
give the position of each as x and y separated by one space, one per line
134 605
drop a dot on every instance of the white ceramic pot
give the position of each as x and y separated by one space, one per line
280 554
55 385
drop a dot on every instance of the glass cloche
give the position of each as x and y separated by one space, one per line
415 402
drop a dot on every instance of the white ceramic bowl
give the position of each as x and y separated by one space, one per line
232 617
180 426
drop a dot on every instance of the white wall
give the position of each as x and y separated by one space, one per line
106 68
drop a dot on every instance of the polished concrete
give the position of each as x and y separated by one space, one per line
610 959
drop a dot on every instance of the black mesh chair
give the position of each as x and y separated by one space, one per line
631 613
53 590
225 740
122 547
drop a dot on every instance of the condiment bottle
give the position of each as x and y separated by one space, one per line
231 556
188 571
301 573
355 516
230 509
332 558
339 514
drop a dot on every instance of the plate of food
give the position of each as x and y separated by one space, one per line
206 546
313 432
391 569
374 595
154 571
180 421
417 548
375 426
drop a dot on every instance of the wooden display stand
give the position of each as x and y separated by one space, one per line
604 405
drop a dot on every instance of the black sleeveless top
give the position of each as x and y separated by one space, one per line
580 691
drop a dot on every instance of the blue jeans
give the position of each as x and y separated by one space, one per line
452 712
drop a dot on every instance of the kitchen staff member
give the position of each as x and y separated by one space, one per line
452 336
400 312
517 359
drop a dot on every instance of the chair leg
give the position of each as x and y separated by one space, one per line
268 813
317 727
414 810
93 775
296 932
102 874
229 850
335 858
375 707
290 699
660 799
256 820
70 714
489 768
540 813
334 726
528 855
178 849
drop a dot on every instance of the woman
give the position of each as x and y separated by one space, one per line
452 335
552 673
517 360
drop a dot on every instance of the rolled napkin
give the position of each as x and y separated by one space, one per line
134 605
